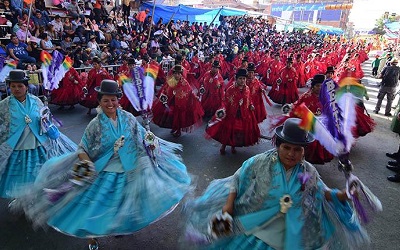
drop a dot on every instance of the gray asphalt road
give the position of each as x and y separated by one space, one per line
204 162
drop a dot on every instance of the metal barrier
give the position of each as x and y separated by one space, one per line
167 64
110 68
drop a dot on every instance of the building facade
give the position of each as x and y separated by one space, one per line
332 13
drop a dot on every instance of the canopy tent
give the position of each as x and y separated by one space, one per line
185 13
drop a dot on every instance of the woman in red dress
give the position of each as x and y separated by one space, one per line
284 89
69 91
314 152
211 89
176 106
257 91
95 76
235 124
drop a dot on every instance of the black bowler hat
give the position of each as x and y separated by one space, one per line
109 87
319 78
241 72
330 69
17 75
289 60
215 64
251 67
290 132
245 59
178 69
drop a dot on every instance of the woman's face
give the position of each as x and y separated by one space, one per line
109 105
290 154
316 89
18 90
178 76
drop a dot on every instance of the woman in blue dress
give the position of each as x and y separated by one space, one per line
115 186
24 143
276 200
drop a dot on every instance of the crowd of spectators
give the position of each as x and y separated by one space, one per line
101 29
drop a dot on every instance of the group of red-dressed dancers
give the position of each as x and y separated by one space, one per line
230 93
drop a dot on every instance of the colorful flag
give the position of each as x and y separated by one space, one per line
10 65
45 57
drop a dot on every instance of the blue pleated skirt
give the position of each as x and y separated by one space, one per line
101 209
241 242
92 212
22 168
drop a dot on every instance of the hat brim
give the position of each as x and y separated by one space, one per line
98 90
281 136
25 79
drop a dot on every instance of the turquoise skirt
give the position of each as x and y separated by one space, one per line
22 168
241 242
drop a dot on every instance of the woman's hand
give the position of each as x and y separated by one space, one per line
229 205
227 208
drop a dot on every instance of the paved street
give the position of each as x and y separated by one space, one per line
204 162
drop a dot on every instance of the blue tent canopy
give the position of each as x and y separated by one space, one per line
185 13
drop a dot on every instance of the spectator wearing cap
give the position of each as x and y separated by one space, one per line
390 76
284 89
140 18
105 56
257 91
235 124
211 91
177 107
19 51
93 46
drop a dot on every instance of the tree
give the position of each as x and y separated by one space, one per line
380 23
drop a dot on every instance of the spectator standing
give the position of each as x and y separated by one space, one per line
375 66
19 51
126 10
140 18
390 76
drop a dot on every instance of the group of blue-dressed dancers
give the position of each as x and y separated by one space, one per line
110 183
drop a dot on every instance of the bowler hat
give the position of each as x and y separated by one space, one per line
289 60
17 75
290 132
241 72
330 69
95 59
394 61
251 67
109 87
319 78
178 69
215 64
245 59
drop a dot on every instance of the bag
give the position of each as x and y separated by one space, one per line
395 125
